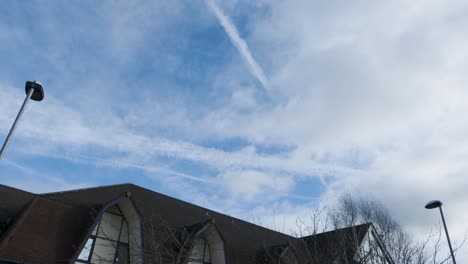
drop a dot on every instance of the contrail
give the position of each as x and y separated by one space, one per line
238 42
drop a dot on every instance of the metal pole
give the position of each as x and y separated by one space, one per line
13 127
448 238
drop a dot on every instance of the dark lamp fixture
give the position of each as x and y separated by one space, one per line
38 90
433 204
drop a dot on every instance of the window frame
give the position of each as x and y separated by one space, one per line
113 241
190 259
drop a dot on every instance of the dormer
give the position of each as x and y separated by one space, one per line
116 235
207 245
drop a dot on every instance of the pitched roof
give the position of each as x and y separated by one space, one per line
61 230
179 214
322 247
12 202
65 218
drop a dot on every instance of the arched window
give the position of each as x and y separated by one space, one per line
116 237
207 247
109 240
201 253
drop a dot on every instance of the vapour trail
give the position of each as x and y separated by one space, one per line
238 42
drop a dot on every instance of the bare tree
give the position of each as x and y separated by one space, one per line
347 245
165 243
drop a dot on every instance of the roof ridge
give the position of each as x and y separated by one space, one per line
340 229
216 212
17 189
86 189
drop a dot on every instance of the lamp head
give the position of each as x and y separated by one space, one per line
38 93
433 204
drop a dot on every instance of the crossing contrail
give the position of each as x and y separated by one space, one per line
238 42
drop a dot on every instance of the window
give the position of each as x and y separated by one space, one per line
122 256
108 243
201 252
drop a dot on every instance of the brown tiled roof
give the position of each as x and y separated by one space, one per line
12 202
47 231
242 239
53 226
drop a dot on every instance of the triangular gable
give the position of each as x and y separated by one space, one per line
335 245
209 233
372 249
355 244
134 229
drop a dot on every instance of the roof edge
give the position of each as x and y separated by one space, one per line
16 189
22 216
369 224
88 188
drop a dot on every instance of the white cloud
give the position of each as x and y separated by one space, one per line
249 184
284 216
111 143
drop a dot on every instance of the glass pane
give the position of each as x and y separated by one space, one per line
124 234
109 227
95 229
84 255
207 253
104 251
197 251
122 254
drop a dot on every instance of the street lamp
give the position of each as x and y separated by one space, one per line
438 204
34 91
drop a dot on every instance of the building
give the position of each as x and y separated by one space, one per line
129 224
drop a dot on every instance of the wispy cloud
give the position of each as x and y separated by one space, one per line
115 145
238 42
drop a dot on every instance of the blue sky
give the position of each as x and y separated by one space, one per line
259 109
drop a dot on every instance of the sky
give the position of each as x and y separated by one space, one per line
258 109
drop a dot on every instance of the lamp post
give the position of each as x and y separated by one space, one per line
34 91
438 204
